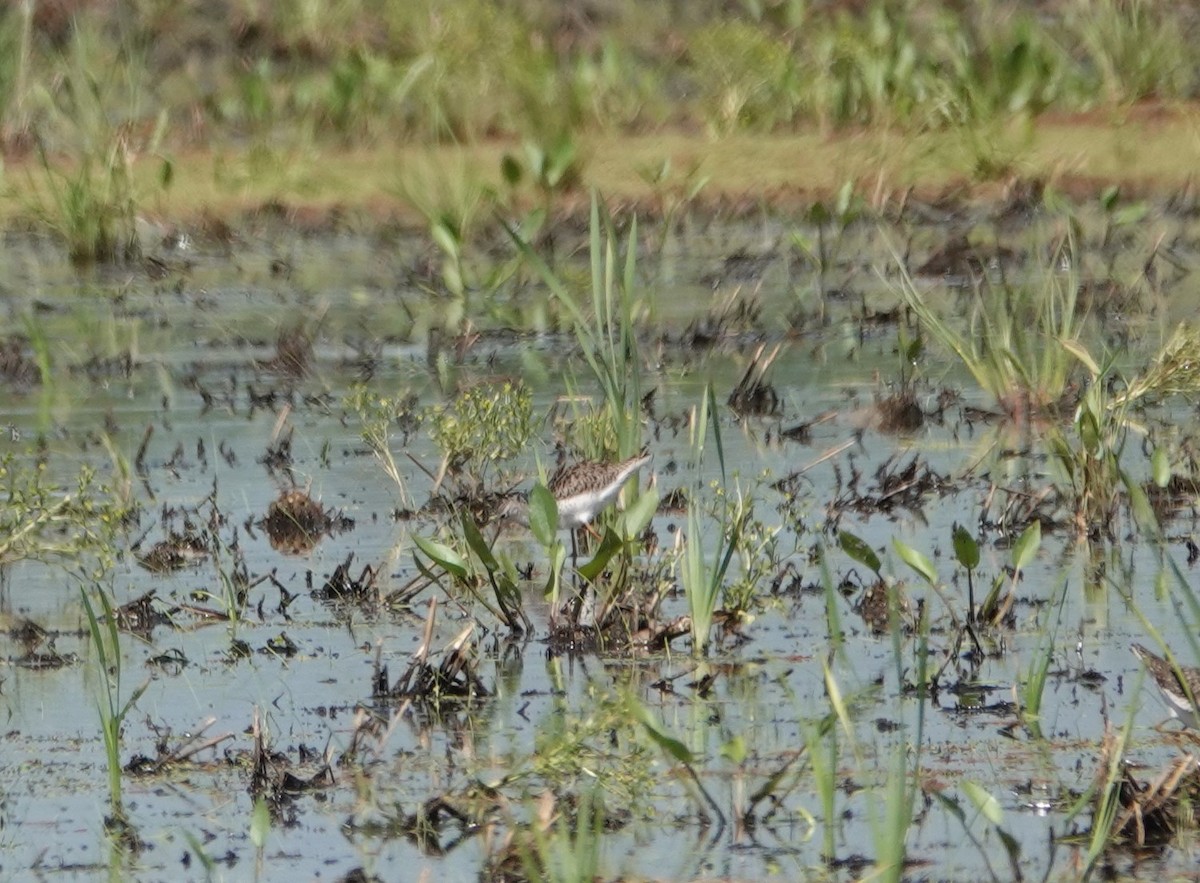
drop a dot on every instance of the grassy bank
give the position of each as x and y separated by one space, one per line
1152 151
114 111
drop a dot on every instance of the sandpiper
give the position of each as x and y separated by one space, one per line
584 489
1180 688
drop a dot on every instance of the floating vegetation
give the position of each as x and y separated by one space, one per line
295 522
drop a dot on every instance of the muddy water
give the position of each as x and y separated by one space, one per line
189 355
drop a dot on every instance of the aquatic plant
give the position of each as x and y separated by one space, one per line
452 197
704 580
996 605
1015 338
42 520
94 199
572 742
1033 679
361 71
673 192
543 524
111 705
379 417
607 334
863 68
482 74
608 341
987 806
552 166
466 575
993 70
677 751
831 221
744 76
483 425
16 50
757 547
890 827
1104 795
1091 455
1132 50
564 839
822 746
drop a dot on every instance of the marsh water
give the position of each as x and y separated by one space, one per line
177 364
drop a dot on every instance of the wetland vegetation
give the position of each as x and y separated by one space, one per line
306 305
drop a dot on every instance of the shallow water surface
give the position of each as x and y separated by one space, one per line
186 369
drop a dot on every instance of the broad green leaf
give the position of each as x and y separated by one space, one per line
993 595
669 744
845 201
1130 214
478 544
1160 466
858 549
1026 545
425 570
637 516
1013 849
452 276
558 557
988 805
734 749
443 556
260 823
543 514
166 174
966 550
508 596
836 701
510 170
610 544
916 560
1139 504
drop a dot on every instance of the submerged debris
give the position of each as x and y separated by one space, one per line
342 586
16 367
899 413
295 522
1181 492
272 778
31 637
177 551
732 315
142 614
1150 812
875 607
958 261
896 486
293 353
169 755
753 395
453 679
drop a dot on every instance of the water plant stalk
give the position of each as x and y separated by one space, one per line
703 579
106 642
